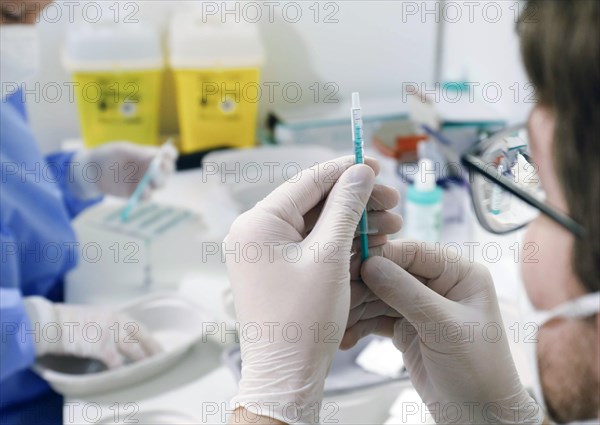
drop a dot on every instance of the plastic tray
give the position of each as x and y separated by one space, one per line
345 376
175 322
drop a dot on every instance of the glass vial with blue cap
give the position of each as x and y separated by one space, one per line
423 207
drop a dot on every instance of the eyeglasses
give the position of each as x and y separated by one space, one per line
506 190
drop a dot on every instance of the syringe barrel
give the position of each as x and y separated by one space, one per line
357 135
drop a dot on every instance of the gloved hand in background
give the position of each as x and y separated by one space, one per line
117 168
443 315
88 332
291 282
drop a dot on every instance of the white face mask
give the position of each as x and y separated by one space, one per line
579 308
19 56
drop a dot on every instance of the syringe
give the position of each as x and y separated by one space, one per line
153 169
357 139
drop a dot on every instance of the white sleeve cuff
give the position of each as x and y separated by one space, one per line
40 312
81 186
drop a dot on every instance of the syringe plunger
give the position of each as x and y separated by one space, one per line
355 100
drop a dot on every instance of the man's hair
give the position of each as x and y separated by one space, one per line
560 45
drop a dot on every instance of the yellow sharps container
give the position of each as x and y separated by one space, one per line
117 74
216 67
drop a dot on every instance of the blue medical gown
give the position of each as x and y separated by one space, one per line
37 248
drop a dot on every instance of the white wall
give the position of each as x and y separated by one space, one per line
369 50
485 49
373 48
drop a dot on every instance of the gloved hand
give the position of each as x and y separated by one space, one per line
288 261
117 168
88 332
443 315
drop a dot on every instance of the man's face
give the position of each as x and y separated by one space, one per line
21 11
567 349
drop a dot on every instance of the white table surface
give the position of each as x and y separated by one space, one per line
199 384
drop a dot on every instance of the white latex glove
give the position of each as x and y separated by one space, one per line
292 299
436 310
88 332
116 169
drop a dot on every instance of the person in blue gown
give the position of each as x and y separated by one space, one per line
39 196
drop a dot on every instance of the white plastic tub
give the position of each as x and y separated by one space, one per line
175 322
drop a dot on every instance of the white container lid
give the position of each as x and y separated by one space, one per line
110 46
197 42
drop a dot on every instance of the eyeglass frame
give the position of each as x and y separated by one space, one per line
471 159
